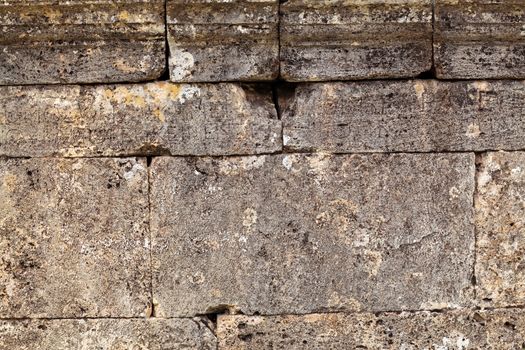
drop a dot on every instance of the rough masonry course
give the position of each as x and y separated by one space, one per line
404 116
334 40
137 119
59 42
215 40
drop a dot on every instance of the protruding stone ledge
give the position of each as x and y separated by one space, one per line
46 42
151 334
285 234
140 119
479 39
405 116
74 238
502 329
335 40
215 40
500 228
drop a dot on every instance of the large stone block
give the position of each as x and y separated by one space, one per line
74 238
477 39
154 118
500 227
53 42
307 233
107 334
405 116
216 40
339 39
457 330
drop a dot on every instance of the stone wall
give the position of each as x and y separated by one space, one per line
262 174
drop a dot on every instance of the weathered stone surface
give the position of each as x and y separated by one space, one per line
154 118
339 39
405 116
476 39
458 330
307 233
106 334
74 238
48 42
216 40
500 227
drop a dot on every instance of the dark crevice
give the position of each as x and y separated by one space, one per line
149 160
477 163
427 75
166 74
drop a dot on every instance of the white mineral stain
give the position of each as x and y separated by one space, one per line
287 162
188 92
458 342
453 192
420 90
249 218
181 63
137 167
286 140
473 131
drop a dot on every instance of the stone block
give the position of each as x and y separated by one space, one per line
107 334
500 229
74 238
59 42
405 116
456 330
479 39
339 39
141 119
282 234
216 40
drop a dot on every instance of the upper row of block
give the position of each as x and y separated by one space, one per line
81 41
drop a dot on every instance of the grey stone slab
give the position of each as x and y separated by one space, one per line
500 229
74 238
106 334
458 330
137 119
215 40
284 234
405 116
478 39
56 42
339 39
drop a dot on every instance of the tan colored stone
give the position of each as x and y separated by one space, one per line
141 119
216 40
500 227
106 334
308 233
405 116
457 330
52 42
74 238
478 39
340 39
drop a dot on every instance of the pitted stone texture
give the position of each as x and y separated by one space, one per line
122 120
477 39
339 39
216 40
56 42
106 334
457 330
305 233
405 116
500 227
74 238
